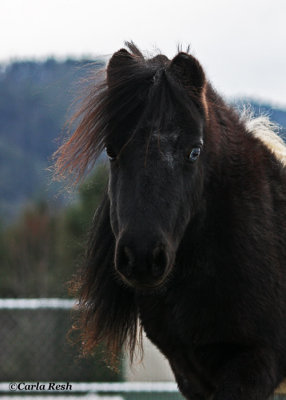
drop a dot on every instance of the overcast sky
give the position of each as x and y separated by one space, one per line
241 44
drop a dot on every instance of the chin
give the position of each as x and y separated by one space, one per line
150 288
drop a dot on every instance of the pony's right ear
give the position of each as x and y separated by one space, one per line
188 71
117 67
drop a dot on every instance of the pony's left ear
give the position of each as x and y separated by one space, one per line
118 65
188 71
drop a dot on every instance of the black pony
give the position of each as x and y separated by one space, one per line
190 237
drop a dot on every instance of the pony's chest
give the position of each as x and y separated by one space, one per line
194 344
162 331
189 316
170 321
167 327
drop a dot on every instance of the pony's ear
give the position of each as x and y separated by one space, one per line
188 71
118 66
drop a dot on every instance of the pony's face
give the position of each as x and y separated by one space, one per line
155 161
155 183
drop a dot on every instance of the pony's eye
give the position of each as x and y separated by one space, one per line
110 153
194 154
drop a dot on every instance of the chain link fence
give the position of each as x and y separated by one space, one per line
34 348
34 344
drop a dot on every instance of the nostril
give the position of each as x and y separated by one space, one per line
125 261
159 264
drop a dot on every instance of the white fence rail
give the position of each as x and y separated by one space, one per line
34 304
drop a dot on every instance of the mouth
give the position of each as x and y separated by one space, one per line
147 286
142 287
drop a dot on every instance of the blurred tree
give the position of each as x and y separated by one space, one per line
29 259
78 218
42 249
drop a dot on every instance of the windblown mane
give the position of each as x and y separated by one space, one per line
107 311
267 132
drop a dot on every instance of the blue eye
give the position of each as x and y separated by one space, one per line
194 154
110 153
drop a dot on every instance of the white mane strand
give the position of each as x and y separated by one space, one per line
267 132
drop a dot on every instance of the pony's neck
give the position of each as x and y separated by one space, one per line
223 125
224 135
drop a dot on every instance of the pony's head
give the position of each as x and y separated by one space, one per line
155 161
149 115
